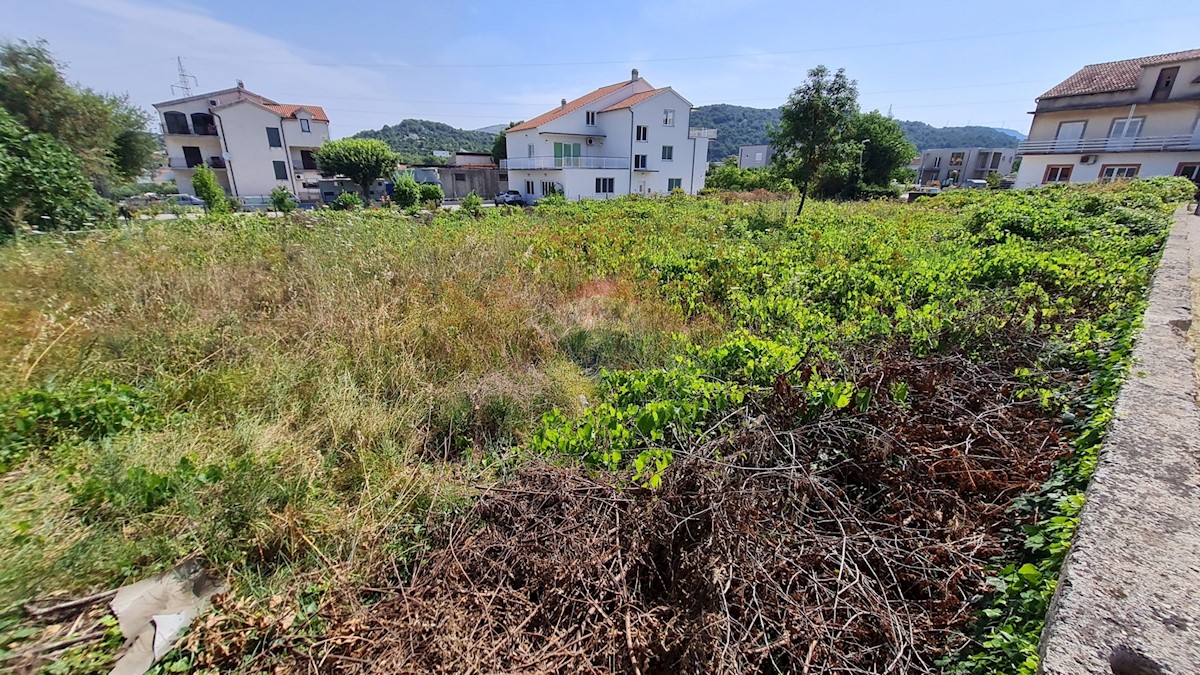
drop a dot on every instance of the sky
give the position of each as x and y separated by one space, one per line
473 64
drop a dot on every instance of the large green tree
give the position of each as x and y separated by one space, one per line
814 127
880 151
359 159
42 183
500 144
106 132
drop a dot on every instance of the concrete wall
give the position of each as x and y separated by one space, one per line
1128 601
754 156
1033 167
459 181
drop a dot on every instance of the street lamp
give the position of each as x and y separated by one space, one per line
861 152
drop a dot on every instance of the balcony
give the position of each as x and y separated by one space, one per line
1084 145
529 163
185 163
698 132
302 166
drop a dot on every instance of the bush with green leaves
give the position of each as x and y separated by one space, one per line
206 187
42 185
431 193
347 201
282 200
472 205
406 193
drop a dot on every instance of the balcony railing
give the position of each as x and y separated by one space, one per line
519 163
301 166
1083 145
183 163
699 132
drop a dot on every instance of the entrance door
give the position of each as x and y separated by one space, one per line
192 156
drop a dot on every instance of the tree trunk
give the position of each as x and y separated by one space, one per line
366 193
803 198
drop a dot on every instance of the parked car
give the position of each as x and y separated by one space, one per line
976 183
510 198
184 200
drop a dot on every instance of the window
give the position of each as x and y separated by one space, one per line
567 154
1166 80
673 183
1069 135
530 152
956 158
937 162
503 177
192 156
529 187
1191 171
758 157
591 118
549 188
281 172
304 125
461 177
1111 172
1126 127
668 153
668 118
176 123
605 185
639 161
1058 174
273 137
643 133
996 156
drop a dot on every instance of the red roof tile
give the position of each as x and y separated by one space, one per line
635 99
571 106
1113 76
289 110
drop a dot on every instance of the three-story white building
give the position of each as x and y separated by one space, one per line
1123 119
252 143
623 138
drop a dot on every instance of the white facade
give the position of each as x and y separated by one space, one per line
252 143
1137 118
624 138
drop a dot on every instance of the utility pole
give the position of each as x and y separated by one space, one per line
186 79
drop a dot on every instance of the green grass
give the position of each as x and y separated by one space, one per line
299 399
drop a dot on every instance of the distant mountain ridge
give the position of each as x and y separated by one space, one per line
414 139
740 125
736 126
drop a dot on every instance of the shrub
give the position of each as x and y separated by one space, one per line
432 193
206 187
347 201
472 205
406 193
42 183
282 200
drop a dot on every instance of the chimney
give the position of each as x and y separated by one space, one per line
564 103
634 75
240 85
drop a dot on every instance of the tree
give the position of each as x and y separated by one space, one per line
814 127
42 183
106 132
880 152
204 183
359 159
500 144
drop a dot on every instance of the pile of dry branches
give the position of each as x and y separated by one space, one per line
852 544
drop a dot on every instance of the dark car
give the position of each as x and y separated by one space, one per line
510 198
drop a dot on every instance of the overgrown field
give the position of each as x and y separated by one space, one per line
646 436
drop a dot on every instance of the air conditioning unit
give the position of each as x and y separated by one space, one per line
590 141
214 102
1087 159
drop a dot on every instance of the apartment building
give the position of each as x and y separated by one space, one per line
623 138
1123 119
252 143
956 166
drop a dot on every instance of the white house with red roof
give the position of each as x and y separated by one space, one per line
1122 119
623 138
252 143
